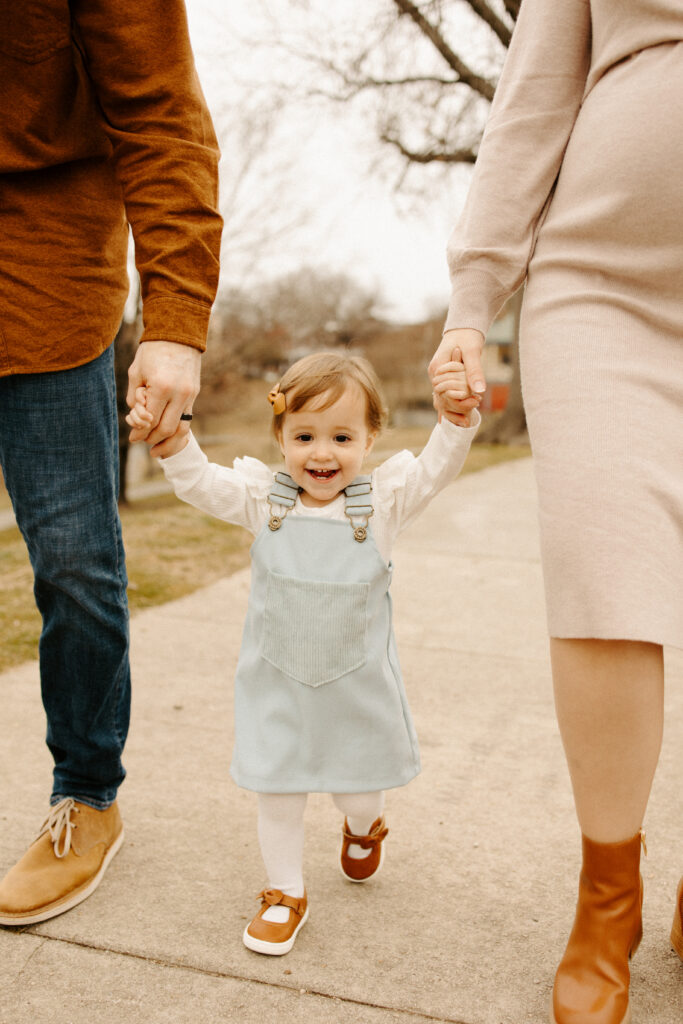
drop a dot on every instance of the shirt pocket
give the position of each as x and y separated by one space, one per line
314 631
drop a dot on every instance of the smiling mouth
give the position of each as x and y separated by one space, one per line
322 474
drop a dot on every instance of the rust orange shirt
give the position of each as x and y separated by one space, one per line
102 124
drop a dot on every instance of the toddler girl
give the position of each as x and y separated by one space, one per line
319 700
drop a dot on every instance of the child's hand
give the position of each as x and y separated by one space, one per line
461 419
139 418
449 382
452 395
171 446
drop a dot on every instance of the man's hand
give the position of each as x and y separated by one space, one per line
169 372
462 345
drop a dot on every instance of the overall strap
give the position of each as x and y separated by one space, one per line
283 493
357 502
358 505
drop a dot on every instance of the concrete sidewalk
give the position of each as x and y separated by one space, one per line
470 914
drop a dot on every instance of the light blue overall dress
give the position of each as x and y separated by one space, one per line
320 704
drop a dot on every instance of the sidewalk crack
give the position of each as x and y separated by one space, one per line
409 1012
32 954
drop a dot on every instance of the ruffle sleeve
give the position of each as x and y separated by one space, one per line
406 483
258 478
236 494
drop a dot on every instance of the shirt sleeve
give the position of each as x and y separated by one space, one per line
139 59
406 483
237 495
532 116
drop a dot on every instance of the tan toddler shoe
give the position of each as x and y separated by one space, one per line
63 866
270 937
363 868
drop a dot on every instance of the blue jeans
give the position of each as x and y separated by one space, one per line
59 456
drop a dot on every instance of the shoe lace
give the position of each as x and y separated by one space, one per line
58 824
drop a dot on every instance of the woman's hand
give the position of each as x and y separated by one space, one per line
459 345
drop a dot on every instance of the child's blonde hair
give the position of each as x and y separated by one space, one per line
326 373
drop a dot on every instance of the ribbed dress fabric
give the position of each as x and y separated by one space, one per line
579 189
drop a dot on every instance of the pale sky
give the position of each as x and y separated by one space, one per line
314 165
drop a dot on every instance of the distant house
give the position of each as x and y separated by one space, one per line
497 360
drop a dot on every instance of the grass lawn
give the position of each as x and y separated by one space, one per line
172 549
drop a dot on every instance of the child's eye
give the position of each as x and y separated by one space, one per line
341 438
304 437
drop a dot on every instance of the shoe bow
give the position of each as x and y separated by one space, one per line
271 896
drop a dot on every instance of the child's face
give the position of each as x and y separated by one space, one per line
324 448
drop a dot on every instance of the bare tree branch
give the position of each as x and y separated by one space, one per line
382 83
465 74
496 24
450 156
353 88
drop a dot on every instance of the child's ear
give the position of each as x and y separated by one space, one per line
372 436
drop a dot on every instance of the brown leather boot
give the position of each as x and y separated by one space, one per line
677 927
591 984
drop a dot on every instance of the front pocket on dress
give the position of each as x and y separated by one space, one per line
314 631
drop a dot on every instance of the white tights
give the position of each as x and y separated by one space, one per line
281 833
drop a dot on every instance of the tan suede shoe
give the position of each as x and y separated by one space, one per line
363 868
63 866
270 937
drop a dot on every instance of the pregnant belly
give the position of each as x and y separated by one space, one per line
619 200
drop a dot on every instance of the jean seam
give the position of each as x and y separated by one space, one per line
120 558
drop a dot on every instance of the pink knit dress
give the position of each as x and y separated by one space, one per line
579 189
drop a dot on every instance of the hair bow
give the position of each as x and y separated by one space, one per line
277 400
